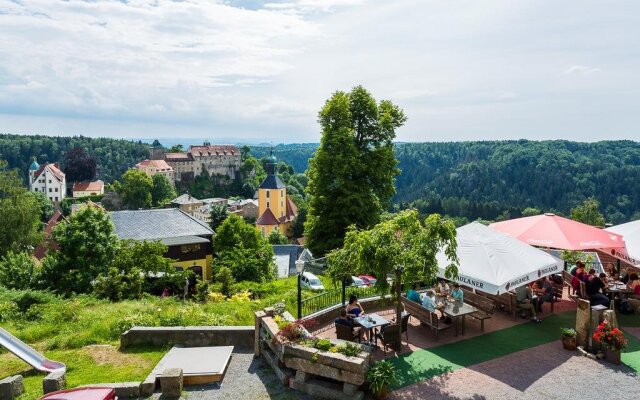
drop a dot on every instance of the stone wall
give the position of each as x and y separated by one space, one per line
190 336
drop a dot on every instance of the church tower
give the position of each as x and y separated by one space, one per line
275 209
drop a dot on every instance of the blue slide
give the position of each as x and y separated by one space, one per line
28 354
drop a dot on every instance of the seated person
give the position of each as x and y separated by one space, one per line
634 283
428 301
443 288
577 277
579 265
544 291
594 286
525 302
626 275
457 293
343 319
412 294
354 309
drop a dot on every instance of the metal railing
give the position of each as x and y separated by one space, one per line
334 297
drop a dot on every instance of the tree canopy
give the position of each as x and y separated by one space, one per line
78 166
218 214
135 188
162 190
588 213
351 176
242 249
401 242
20 214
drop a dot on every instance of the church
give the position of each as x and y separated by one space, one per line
275 209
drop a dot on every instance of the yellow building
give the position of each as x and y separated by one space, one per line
275 208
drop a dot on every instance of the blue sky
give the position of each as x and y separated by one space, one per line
254 70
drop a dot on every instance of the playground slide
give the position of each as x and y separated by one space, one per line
28 354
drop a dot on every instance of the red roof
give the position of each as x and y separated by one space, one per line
48 243
160 165
53 169
267 218
96 186
291 212
178 157
215 150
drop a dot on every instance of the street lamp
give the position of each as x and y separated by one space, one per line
299 271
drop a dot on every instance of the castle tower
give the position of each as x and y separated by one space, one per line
32 170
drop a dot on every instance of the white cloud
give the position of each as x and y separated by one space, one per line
580 70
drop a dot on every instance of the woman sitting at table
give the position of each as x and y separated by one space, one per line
354 309
634 284
457 293
443 289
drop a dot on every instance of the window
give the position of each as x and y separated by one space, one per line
35 189
267 195
56 198
268 204
264 231
49 180
189 248
282 192
49 190
56 190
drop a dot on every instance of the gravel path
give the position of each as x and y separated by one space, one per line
246 378
543 372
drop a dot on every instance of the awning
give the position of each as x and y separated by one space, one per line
493 262
631 233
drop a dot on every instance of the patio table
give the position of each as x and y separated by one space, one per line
457 310
619 289
371 322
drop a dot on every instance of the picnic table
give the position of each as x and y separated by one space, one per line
457 310
371 322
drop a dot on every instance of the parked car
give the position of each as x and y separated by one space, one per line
355 281
368 279
88 393
310 281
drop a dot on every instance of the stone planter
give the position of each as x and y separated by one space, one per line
569 342
612 355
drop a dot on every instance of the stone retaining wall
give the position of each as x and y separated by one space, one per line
190 336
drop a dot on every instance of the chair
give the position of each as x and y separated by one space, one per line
390 337
404 325
345 332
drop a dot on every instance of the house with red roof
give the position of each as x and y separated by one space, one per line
153 167
84 189
48 179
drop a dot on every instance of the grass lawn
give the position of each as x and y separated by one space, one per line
91 364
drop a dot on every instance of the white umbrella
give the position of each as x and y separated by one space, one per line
493 262
631 233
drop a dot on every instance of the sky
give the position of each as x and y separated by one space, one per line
261 70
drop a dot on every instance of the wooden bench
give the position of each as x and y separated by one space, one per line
557 293
505 302
423 315
484 305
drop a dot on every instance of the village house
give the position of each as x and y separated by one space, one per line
186 203
84 189
188 240
275 208
48 179
246 208
153 167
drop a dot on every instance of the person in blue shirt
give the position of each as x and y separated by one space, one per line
343 319
412 294
354 309
428 301
457 293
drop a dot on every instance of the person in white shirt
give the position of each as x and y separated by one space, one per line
428 301
443 288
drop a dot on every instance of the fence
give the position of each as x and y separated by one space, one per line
335 297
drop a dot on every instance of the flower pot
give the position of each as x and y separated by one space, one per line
384 392
569 342
612 355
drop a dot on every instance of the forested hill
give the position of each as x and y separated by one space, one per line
113 156
489 180
498 179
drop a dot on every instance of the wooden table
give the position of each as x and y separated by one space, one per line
371 321
457 310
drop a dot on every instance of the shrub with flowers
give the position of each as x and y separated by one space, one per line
296 330
609 337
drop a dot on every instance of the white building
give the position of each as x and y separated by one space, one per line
47 179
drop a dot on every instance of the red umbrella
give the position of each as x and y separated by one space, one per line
550 230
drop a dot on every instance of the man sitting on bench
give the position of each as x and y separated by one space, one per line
544 292
525 302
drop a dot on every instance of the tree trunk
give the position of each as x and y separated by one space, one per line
399 307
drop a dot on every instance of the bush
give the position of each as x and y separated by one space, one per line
18 271
225 278
201 291
216 297
24 299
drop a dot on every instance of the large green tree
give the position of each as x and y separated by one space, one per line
20 214
46 205
135 188
401 246
242 249
219 213
162 191
588 213
87 245
351 176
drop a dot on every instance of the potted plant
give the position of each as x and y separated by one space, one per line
380 376
568 338
611 339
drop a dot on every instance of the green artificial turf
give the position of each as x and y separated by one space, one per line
631 355
424 364
628 320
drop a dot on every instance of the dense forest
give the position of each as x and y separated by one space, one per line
113 156
499 179
488 180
